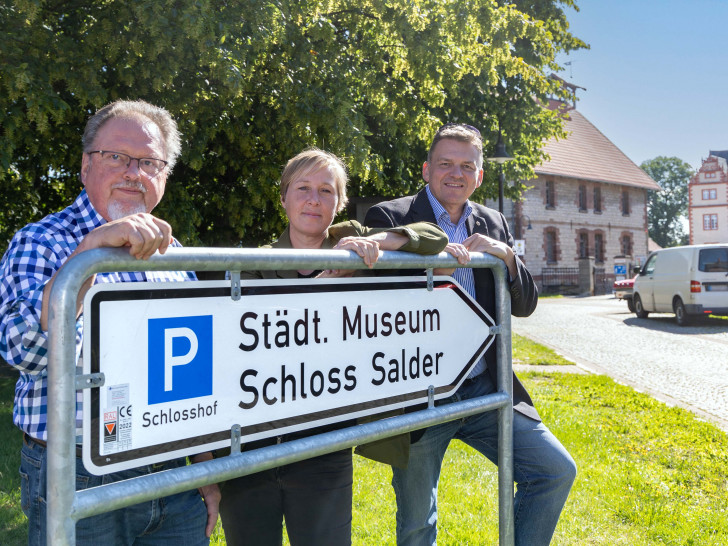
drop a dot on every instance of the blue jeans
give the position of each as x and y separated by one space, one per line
543 470
178 519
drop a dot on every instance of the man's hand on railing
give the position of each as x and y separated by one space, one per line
456 250
482 243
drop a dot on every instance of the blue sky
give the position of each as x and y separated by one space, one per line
656 77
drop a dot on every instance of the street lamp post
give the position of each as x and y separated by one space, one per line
500 156
527 218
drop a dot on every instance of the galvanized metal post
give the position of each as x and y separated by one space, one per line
61 453
66 506
505 413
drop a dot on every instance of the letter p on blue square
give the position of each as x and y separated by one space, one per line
180 358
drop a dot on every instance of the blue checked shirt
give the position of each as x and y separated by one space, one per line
457 233
35 253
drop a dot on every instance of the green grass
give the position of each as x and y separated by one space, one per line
13 525
526 351
649 474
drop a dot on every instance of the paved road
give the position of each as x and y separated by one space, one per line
687 366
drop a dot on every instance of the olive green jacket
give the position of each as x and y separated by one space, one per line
424 238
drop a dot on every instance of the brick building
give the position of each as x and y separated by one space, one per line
589 200
708 200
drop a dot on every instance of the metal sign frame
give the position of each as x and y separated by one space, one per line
66 505
126 373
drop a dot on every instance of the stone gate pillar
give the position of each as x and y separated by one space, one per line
586 276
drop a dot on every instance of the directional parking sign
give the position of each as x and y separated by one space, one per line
185 362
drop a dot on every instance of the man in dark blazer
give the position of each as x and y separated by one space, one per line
543 470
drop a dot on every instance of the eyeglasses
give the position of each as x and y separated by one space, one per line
462 125
116 160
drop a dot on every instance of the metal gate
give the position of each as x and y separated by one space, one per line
602 281
66 505
555 280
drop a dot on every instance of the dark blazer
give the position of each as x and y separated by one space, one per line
524 294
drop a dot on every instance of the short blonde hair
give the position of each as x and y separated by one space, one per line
313 160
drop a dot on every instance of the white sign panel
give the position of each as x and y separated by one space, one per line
519 245
184 362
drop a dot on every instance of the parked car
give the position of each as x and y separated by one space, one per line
623 291
690 281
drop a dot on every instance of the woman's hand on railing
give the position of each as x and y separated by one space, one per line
366 248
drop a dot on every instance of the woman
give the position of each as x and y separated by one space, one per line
314 495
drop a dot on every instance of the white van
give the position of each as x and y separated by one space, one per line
690 281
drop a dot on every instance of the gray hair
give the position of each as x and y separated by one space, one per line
134 109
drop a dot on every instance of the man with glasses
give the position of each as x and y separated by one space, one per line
544 471
129 149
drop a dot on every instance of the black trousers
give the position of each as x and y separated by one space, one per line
314 497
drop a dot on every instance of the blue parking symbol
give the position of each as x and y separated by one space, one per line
180 358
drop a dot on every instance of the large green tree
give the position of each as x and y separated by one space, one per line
667 209
254 82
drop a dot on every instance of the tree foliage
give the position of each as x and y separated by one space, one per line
254 82
666 209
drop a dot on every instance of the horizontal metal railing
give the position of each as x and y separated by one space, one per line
66 506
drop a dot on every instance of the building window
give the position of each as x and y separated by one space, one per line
710 222
710 194
597 199
583 244
710 175
626 245
625 203
550 243
582 198
550 194
598 248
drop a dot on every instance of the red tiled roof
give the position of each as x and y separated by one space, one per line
588 155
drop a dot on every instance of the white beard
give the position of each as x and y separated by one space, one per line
116 210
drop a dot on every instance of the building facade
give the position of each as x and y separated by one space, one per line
708 200
588 201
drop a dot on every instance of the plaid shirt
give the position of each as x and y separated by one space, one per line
457 233
35 253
